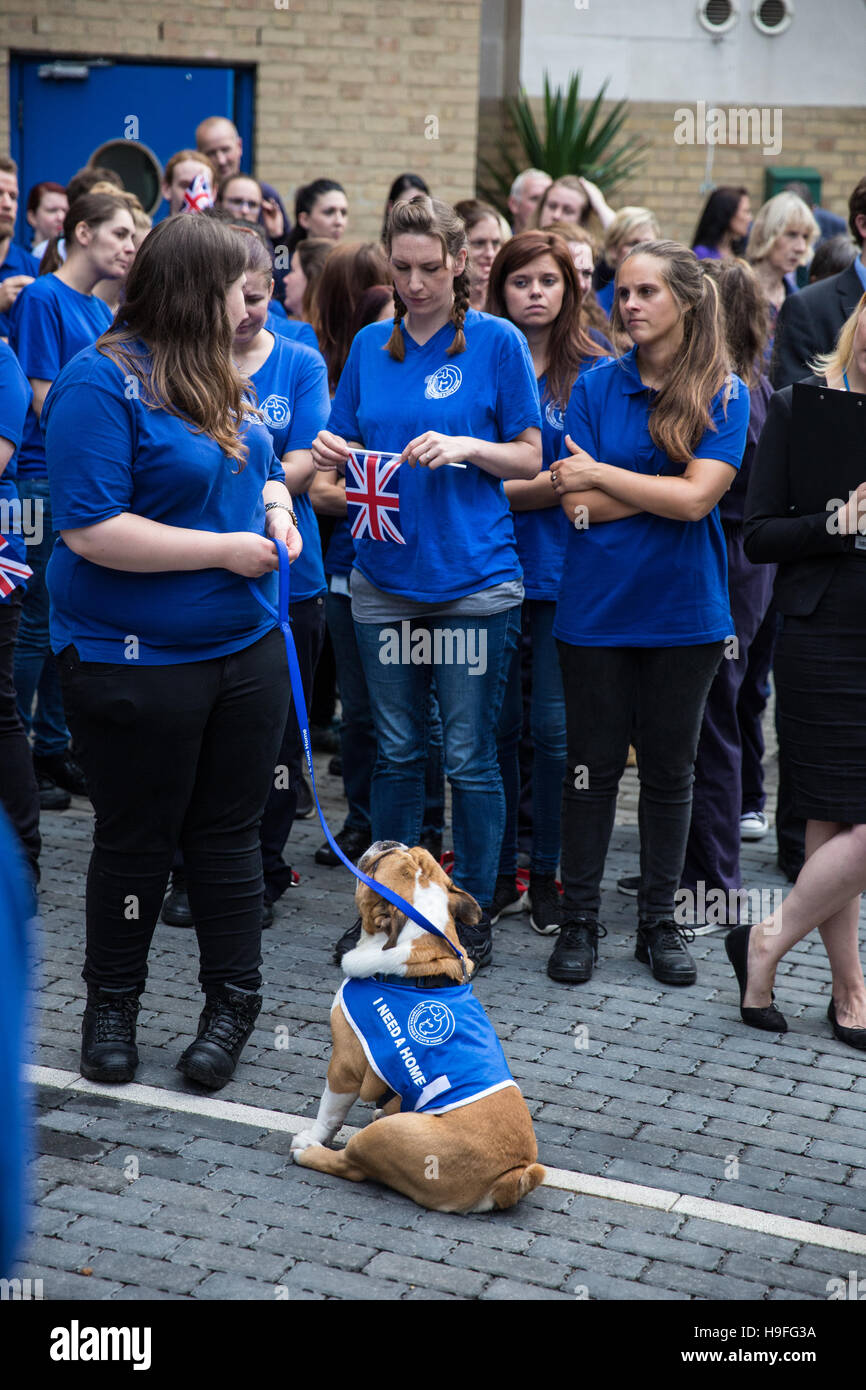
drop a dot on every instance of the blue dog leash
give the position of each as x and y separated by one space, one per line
282 617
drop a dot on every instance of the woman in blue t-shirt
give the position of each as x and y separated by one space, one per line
534 284
453 390
655 440
174 676
54 318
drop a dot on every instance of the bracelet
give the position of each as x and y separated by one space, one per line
269 507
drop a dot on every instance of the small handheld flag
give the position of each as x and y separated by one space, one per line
373 496
12 572
198 195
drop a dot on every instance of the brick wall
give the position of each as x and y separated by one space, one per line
824 138
349 89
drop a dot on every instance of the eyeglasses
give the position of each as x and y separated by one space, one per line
243 203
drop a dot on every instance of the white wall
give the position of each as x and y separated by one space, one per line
657 50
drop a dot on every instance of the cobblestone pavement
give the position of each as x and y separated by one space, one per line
142 1201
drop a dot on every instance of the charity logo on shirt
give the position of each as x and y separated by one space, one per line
553 416
431 1023
276 411
443 383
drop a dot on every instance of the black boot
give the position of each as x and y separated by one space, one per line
227 1020
108 1050
176 911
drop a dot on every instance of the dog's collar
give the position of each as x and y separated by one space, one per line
420 981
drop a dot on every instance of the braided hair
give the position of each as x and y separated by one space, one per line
430 217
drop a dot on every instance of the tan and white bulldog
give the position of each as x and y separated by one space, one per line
475 1154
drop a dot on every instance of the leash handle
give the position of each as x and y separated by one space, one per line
282 617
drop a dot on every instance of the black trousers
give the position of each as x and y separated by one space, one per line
19 793
655 696
177 756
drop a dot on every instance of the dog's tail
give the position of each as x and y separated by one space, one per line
511 1186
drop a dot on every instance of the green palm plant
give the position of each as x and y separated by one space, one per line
575 140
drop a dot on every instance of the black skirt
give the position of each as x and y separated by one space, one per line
820 677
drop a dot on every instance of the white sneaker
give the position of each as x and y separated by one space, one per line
753 826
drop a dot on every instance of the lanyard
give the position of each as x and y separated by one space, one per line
282 617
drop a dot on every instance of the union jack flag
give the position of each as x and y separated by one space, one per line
198 195
12 572
373 497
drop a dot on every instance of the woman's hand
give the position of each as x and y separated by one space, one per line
330 451
852 516
272 219
280 527
433 450
578 473
250 555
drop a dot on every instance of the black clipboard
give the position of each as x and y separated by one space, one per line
828 447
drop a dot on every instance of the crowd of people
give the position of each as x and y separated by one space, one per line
598 506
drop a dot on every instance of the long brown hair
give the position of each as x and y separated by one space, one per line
430 217
744 307
568 342
681 413
92 208
348 271
176 305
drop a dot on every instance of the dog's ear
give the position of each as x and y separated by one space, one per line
463 907
396 921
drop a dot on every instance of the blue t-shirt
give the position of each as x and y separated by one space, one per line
108 453
50 323
436 1049
15 394
456 521
17 262
644 581
293 329
292 390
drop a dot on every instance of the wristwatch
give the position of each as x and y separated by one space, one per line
269 507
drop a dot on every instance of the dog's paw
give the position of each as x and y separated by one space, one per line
301 1142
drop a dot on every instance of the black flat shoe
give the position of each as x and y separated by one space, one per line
854 1037
737 950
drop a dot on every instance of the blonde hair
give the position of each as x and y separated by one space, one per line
626 221
786 212
430 217
839 360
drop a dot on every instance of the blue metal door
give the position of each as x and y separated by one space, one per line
62 110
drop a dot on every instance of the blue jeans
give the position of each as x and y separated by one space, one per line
35 667
468 658
547 721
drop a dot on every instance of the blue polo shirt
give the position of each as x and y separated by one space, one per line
51 322
456 522
437 1050
292 390
645 581
294 329
17 262
108 453
15 396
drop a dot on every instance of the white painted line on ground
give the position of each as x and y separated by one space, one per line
587 1184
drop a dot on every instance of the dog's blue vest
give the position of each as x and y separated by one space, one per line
435 1048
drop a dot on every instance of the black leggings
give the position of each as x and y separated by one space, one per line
177 756
655 696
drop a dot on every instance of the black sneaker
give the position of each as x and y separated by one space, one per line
545 904
477 941
62 769
351 841
306 806
347 942
267 910
576 950
431 840
662 946
628 884
507 898
51 797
